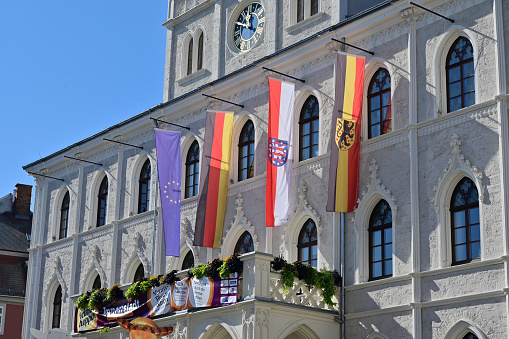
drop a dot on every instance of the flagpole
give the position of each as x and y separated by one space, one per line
343 325
155 215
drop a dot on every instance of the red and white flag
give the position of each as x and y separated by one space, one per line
280 152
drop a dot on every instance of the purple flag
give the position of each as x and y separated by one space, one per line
168 166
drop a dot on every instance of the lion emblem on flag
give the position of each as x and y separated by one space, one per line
345 133
278 151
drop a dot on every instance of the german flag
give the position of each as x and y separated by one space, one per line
345 134
214 179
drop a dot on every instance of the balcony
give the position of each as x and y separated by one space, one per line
264 309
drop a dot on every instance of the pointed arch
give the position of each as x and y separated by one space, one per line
220 330
445 42
92 271
57 212
238 125
137 257
301 97
377 335
134 178
462 328
92 199
54 282
457 169
298 329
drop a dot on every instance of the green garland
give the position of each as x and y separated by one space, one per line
200 271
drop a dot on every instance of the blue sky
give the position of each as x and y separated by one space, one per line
69 69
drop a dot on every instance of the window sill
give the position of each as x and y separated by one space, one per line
308 21
189 78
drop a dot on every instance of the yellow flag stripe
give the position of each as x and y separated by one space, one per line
349 87
223 181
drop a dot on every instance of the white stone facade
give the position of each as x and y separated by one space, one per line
414 168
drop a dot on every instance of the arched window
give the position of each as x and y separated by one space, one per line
102 202
192 170
144 188
306 8
57 308
379 104
190 57
380 241
246 151
470 336
64 216
97 283
460 75
309 129
140 273
466 230
308 244
244 244
188 261
200 52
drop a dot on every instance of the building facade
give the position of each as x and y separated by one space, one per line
424 255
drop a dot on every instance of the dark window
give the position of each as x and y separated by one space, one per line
97 283
309 129
244 244
460 75
379 102
190 57
188 261
308 244
102 202
57 307
200 52
300 10
140 273
380 241
470 336
246 151
466 231
144 188
314 7
64 216
192 170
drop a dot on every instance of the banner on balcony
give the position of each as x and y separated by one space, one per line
345 135
214 179
180 295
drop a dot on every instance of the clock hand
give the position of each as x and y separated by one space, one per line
242 24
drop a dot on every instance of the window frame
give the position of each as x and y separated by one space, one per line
303 10
199 52
64 216
3 312
308 245
382 228
95 281
466 208
196 174
102 196
241 241
147 182
459 64
137 274
380 93
186 259
53 308
312 132
250 146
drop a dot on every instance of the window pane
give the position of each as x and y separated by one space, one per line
388 267
377 238
475 250
375 116
459 219
306 128
468 84
375 130
388 235
304 254
314 253
314 138
460 235
377 253
375 102
454 74
386 97
376 268
460 252
454 104
468 69
305 154
473 215
475 233
454 89
469 99
388 251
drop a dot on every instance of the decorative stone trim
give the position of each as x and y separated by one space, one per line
384 141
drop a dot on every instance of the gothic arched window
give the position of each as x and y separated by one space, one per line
460 75
139 274
64 216
200 52
246 151
308 244
102 202
190 57
470 336
188 261
97 283
379 104
144 187
309 129
244 244
466 227
192 170
380 241
57 308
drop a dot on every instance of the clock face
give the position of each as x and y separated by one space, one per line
248 27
